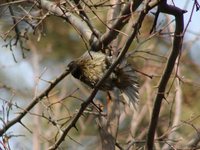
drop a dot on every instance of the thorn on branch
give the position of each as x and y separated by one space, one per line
75 127
149 76
25 127
197 5
177 46
166 99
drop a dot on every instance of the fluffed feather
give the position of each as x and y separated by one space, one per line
91 66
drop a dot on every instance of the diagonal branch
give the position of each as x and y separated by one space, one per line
126 12
193 143
83 27
75 21
84 16
177 45
33 103
95 90
111 34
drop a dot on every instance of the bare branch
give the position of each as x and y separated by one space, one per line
76 22
109 128
33 103
95 90
192 144
122 32
177 45
110 35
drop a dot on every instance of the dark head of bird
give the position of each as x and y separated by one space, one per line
91 69
75 69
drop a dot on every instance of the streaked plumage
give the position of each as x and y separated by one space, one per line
90 68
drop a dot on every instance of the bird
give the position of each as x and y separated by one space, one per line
92 65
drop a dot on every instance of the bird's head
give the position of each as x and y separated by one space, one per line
75 69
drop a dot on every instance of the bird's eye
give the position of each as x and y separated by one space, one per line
76 71
71 65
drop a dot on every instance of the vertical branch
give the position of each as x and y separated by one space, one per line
109 127
113 15
177 114
177 45
178 105
108 72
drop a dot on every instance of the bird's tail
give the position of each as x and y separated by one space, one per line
129 85
131 96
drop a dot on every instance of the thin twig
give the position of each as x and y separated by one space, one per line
95 90
177 45
33 103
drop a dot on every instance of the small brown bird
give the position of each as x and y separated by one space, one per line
91 66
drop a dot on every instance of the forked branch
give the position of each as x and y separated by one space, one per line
176 50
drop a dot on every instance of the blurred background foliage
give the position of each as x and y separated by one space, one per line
51 48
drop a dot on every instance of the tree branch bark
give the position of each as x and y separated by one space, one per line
177 45
33 103
85 31
109 127
95 90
